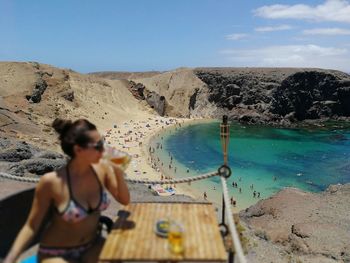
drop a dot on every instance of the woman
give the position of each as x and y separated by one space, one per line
76 196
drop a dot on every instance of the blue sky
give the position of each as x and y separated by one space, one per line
142 35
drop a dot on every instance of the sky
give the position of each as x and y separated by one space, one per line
144 35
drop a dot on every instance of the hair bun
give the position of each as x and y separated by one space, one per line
61 126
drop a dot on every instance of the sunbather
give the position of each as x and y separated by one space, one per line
76 195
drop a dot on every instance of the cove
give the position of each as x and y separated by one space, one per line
267 158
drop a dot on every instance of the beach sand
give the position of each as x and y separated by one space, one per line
136 137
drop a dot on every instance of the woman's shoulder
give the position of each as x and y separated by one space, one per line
53 177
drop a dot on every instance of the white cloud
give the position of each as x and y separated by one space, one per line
236 36
273 28
290 56
330 10
327 31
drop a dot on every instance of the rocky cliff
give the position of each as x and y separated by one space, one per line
22 159
279 96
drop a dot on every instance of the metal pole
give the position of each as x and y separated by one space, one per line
224 135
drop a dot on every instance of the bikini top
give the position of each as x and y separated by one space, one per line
75 212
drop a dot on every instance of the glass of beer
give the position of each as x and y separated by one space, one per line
119 158
175 237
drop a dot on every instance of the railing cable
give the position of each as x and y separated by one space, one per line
172 181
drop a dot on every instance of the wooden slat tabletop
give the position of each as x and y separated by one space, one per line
133 237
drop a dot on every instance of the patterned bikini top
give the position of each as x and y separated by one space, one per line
75 212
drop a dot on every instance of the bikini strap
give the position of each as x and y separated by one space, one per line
99 183
69 184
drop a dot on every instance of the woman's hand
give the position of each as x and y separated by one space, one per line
115 182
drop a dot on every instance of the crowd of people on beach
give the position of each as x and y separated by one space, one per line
130 136
168 166
134 135
156 163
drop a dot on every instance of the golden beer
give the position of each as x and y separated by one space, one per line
122 159
175 238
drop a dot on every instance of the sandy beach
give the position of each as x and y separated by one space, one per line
134 137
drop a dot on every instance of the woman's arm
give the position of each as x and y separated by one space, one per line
116 184
40 206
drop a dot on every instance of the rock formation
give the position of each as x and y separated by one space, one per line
312 95
278 96
297 226
20 158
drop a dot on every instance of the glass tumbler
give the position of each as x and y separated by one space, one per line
176 237
119 158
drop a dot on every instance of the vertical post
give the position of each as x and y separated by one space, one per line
224 136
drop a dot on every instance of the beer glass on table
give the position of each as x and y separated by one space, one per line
175 237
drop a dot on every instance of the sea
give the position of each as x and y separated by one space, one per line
263 159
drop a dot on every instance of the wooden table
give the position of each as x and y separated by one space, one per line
133 238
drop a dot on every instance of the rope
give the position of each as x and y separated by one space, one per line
231 223
19 178
173 181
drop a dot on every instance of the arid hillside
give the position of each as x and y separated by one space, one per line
33 95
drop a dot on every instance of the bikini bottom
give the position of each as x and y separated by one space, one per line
68 253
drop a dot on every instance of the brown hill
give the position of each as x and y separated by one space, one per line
33 95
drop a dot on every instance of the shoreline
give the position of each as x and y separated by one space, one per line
141 165
184 189
136 137
195 189
145 131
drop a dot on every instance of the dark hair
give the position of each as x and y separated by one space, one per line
72 133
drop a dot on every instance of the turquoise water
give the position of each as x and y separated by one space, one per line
269 158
